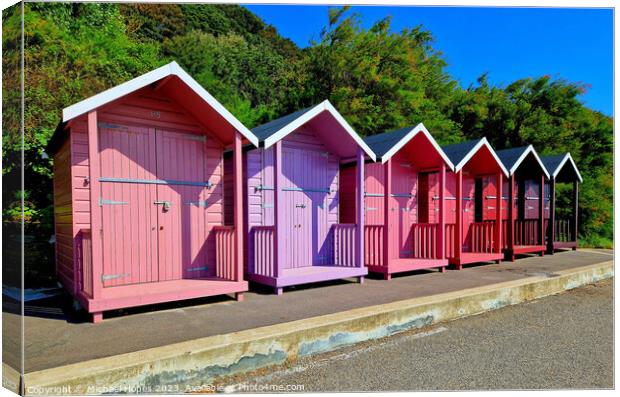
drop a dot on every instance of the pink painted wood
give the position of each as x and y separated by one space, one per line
95 215
141 138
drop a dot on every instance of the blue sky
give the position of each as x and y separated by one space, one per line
508 43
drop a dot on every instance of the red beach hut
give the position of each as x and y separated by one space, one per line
478 173
564 233
523 202
293 187
138 175
407 183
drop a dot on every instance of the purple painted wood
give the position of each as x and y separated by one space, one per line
293 196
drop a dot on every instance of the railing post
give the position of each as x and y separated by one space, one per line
359 218
551 237
278 203
95 210
458 229
387 192
541 209
498 212
238 205
441 240
575 211
511 213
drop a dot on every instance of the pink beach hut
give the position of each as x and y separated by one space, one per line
477 180
138 195
294 207
408 184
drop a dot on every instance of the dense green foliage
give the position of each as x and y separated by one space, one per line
377 78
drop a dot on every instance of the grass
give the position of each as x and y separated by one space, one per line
596 242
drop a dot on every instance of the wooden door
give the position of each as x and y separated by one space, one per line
531 202
469 210
432 197
450 204
187 207
489 195
128 218
404 206
306 187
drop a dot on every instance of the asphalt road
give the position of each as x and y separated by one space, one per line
559 342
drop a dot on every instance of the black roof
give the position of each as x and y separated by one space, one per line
457 151
383 142
266 130
509 157
552 162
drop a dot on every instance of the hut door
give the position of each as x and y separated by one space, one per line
469 209
156 206
489 195
547 200
404 208
302 176
128 217
187 207
531 199
433 197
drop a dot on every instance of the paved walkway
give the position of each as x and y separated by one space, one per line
55 336
564 341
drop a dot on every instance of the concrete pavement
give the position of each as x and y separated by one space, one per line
54 336
563 341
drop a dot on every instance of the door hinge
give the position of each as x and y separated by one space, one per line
111 202
106 277
197 269
203 204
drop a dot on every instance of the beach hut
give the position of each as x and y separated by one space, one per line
295 235
138 202
562 228
523 202
477 180
407 183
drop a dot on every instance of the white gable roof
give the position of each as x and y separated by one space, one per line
309 115
482 143
171 69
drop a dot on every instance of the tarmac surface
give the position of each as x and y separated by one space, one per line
56 335
563 341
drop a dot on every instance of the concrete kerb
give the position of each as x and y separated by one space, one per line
194 364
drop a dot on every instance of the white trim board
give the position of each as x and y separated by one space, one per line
482 142
566 158
171 69
420 128
309 115
529 149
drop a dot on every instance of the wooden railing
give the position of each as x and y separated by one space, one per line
482 236
264 259
84 269
373 245
344 244
526 232
424 240
225 252
563 230
449 239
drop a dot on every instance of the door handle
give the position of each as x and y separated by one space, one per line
300 205
166 204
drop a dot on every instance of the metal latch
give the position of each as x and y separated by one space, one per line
300 205
166 204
